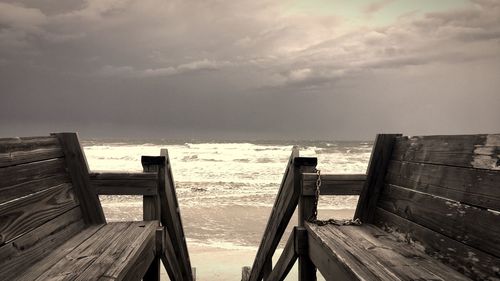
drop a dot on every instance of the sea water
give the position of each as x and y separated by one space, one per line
225 189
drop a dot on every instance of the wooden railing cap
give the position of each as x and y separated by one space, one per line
152 160
305 161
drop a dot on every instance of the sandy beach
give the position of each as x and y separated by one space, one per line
221 240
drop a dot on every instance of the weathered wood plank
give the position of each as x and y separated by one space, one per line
22 215
84 254
122 253
125 183
331 263
28 249
24 173
30 187
367 253
51 259
467 260
153 271
285 261
470 225
351 184
379 160
123 176
111 188
139 268
79 172
15 151
476 187
474 151
405 261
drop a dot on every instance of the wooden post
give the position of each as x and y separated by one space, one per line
245 273
151 203
151 211
79 172
379 160
307 270
268 267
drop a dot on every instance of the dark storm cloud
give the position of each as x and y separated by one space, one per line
245 69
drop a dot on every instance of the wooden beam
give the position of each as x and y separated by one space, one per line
151 211
333 184
151 203
79 173
172 216
307 205
284 206
379 160
286 260
170 213
169 259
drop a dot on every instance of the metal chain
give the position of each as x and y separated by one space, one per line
314 215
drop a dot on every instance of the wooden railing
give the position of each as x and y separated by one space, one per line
160 203
298 189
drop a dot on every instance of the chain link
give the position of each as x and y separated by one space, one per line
314 215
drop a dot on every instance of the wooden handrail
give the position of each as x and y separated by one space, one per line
171 218
284 206
175 255
106 183
333 184
287 257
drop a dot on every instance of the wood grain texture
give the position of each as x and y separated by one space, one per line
473 151
123 253
332 184
50 258
33 246
365 253
79 173
470 225
24 173
84 254
20 216
477 187
474 263
30 187
138 269
15 151
125 183
379 160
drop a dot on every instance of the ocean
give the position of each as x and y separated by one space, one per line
225 190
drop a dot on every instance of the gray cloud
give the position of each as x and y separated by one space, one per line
376 6
244 69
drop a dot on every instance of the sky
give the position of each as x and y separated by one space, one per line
249 69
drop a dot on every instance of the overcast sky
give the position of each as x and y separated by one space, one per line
249 69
